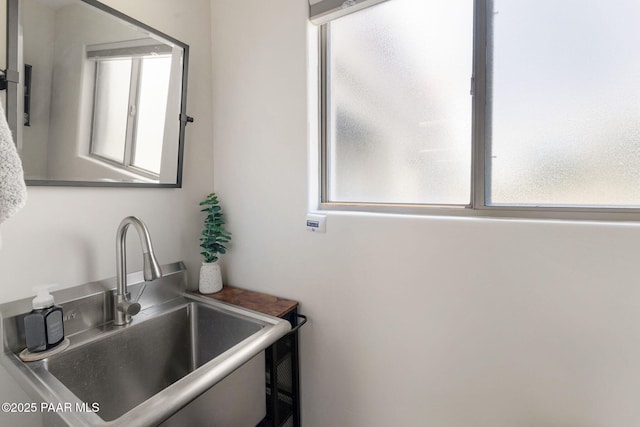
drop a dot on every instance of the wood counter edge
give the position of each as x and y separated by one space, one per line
252 300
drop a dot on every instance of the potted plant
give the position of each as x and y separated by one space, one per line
213 238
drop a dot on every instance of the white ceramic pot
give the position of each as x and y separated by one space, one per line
210 278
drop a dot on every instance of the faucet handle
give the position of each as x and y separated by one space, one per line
124 309
129 308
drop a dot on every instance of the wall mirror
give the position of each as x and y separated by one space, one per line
94 97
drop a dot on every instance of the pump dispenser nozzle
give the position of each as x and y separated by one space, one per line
43 298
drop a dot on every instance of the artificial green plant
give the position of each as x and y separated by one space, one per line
214 234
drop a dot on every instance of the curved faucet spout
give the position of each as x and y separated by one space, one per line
124 308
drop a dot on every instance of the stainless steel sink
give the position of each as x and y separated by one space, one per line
133 365
175 350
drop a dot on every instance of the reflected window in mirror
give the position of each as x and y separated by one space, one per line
130 107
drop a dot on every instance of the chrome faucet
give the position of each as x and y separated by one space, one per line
123 307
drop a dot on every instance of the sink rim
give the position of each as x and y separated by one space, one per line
101 332
165 403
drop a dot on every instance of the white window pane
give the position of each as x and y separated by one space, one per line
399 108
111 108
152 106
566 103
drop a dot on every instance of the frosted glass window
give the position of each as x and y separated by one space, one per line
399 108
566 103
111 109
152 104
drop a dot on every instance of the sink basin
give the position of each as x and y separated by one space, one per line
174 353
140 361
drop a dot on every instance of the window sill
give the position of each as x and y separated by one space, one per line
488 212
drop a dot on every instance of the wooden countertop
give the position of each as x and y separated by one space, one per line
264 303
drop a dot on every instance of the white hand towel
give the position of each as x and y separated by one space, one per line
13 191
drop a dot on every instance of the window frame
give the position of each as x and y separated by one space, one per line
480 80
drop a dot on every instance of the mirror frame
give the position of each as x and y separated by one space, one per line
12 74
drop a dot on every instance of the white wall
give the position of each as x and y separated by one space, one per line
67 235
414 321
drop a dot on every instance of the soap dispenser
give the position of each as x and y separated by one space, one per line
43 326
